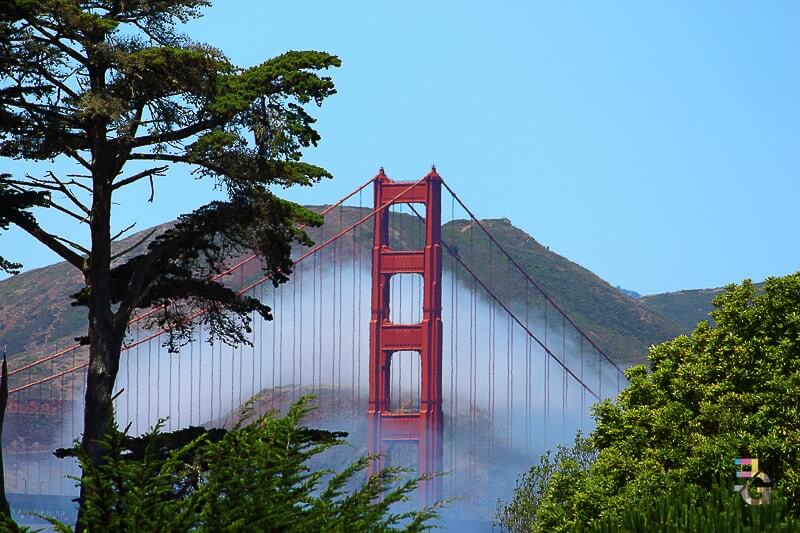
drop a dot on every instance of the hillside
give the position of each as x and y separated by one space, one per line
685 308
622 326
36 317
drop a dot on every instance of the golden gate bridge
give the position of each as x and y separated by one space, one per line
416 329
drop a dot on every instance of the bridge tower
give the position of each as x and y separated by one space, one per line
424 428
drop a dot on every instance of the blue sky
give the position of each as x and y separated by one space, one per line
657 144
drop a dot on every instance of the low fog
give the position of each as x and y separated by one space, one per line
505 400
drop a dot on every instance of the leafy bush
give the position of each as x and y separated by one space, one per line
727 391
694 510
540 492
253 478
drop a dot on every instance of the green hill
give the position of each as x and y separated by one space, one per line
685 308
36 317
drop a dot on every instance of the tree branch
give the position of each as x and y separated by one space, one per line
135 245
53 39
120 232
63 188
77 157
150 172
159 157
73 244
49 240
58 83
176 135
50 202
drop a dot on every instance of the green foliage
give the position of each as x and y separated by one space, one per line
725 392
111 89
693 510
253 478
107 84
541 492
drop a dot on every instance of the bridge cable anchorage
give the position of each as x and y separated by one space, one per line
530 280
137 318
515 318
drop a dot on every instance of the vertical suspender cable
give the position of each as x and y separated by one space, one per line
241 347
200 373
563 377
333 319
583 389
191 381
127 385
178 406
509 361
149 380
353 333
453 391
321 300
138 370
546 381
170 390
313 324
261 323
300 276
219 384
341 332
294 338
358 234
527 374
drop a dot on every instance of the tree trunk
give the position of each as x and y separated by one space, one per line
4 508
105 335
98 411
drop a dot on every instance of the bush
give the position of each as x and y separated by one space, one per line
724 392
694 510
252 478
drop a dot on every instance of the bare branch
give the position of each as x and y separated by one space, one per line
52 204
31 184
66 211
119 233
73 244
134 246
150 172
79 184
49 240
63 187
77 157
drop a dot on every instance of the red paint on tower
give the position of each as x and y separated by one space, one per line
424 427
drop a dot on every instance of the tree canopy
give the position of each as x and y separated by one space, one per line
724 392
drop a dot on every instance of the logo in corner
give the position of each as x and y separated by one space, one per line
757 482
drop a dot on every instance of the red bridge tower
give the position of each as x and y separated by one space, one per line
386 338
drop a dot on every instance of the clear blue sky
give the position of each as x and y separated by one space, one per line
655 143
